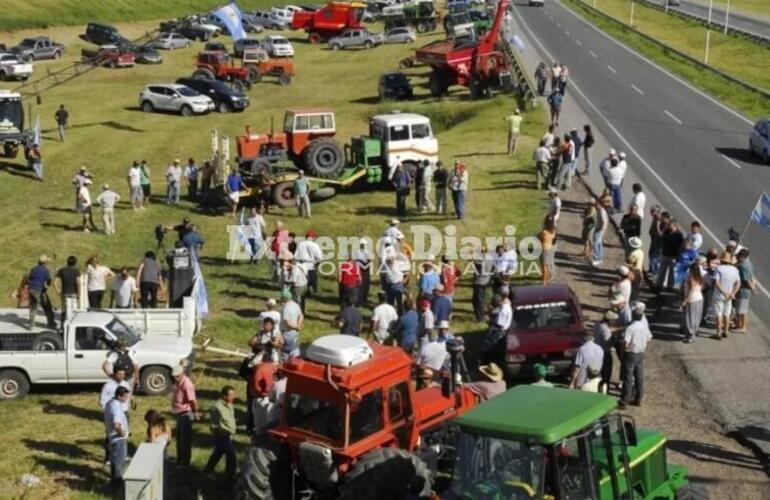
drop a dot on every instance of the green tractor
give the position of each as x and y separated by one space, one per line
558 444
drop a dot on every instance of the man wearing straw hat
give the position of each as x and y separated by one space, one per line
494 385
727 283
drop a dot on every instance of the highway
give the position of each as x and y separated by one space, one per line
745 21
689 151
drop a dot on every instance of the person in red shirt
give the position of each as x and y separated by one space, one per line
449 275
260 387
349 280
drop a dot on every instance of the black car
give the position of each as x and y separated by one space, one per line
147 54
215 47
225 98
104 34
186 29
395 86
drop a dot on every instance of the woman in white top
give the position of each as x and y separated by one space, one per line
97 276
692 302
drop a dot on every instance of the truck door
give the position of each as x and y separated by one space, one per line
400 413
87 352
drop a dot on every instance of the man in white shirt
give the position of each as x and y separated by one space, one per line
433 354
256 229
727 283
622 287
135 184
393 231
124 290
295 277
307 256
549 137
107 200
542 159
615 175
505 315
589 354
85 207
604 165
636 339
695 237
554 204
173 179
639 199
384 317
270 312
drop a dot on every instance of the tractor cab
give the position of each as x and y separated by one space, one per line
540 442
302 126
406 139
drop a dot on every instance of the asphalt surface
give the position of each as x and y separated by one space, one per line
689 152
745 21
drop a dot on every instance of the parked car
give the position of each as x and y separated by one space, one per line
245 43
249 26
225 98
356 38
13 68
672 3
187 29
201 22
402 34
268 20
170 41
759 141
215 47
104 34
112 56
283 14
39 47
278 46
540 3
174 97
147 54
394 86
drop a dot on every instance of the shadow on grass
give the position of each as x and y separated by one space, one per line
17 170
52 408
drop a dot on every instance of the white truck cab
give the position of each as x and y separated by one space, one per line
407 139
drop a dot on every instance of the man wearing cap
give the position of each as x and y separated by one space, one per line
542 158
38 281
589 354
429 279
107 200
85 207
427 321
401 181
622 286
494 385
727 284
173 179
301 188
605 164
184 404
541 371
603 337
514 126
393 231
635 341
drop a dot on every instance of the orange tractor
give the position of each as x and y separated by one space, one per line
217 64
307 140
353 426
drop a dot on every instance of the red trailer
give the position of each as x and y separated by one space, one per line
329 21
476 62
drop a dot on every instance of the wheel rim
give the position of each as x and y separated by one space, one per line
326 158
186 111
157 382
223 108
287 194
46 346
9 388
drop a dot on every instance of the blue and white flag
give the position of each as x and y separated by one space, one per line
36 138
199 289
37 165
761 212
232 18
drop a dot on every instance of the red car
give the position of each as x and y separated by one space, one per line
111 56
547 328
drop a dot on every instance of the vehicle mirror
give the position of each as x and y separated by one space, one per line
630 431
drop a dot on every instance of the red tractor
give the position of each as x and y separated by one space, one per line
307 139
476 62
329 21
353 426
217 65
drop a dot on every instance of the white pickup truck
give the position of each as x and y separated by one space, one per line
161 339
13 68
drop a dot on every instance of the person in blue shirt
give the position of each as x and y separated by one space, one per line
39 280
192 239
441 305
233 187
406 327
190 175
555 101
116 425
401 180
301 190
429 280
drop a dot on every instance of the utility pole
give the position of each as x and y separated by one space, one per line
708 32
727 15
632 13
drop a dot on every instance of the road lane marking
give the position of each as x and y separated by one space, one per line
662 70
612 69
558 24
672 116
637 89
731 161
579 42
566 32
642 161
592 53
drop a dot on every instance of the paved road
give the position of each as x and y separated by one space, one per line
745 21
690 154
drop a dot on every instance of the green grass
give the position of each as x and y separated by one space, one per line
761 7
56 433
730 54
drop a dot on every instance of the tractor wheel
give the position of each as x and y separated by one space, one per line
203 74
253 72
10 150
323 193
422 27
387 473
324 158
48 341
265 474
437 85
260 167
314 38
692 492
283 195
284 79
238 85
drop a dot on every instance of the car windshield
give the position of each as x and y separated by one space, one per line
315 416
533 316
396 78
27 42
11 114
279 41
122 330
187 92
487 467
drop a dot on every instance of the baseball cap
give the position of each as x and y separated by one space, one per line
613 152
395 222
271 302
42 259
177 370
541 370
285 294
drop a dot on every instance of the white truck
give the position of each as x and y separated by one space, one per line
160 338
13 68
407 139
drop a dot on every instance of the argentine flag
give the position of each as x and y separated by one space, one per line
761 212
231 16
199 289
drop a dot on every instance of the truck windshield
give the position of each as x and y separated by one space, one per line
488 467
11 115
312 415
549 314
122 330
27 43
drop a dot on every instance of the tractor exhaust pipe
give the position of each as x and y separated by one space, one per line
458 368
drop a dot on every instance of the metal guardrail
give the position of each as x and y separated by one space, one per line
762 92
754 37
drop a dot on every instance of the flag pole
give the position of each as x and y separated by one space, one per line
746 227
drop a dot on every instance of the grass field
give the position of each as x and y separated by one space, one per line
760 7
56 433
730 54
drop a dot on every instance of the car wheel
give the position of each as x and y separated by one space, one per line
147 107
13 385
171 47
156 380
57 55
368 44
3 76
284 79
186 110
223 107
336 46
29 58
187 45
113 64
409 40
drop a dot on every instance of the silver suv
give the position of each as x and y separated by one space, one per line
356 38
174 97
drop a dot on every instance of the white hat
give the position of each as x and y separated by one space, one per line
638 307
271 302
613 152
443 325
623 270
635 242
552 190
106 187
395 222
622 155
177 370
